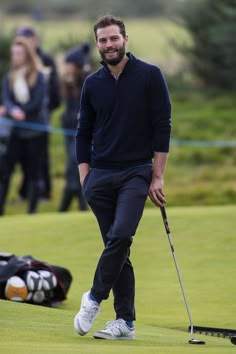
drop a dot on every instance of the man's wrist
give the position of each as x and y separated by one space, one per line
155 176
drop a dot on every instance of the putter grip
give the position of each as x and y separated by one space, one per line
163 212
164 217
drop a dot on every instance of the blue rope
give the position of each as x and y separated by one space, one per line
38 127
201 143
71 132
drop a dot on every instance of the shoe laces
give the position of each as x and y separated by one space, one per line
90 313
115 325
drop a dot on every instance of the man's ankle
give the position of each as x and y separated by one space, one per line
93 298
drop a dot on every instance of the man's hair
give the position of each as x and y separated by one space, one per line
109 20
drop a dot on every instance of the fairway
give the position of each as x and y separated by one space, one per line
205 243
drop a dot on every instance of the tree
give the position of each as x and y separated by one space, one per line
5 43
212 24
91 8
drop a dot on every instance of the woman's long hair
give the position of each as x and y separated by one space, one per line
32 64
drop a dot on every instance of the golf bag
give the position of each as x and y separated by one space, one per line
45 284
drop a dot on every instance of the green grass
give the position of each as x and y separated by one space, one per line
205 245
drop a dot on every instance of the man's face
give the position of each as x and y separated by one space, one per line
111 44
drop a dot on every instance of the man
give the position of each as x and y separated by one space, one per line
54 100
124 122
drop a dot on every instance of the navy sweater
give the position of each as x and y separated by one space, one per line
123 122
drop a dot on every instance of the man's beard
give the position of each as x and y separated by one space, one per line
117 59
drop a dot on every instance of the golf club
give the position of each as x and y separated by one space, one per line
192 340
233 340
216 332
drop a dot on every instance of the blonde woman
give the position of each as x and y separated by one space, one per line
25 98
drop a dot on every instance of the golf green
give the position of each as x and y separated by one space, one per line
205 245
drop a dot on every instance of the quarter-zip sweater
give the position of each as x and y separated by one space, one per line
123 122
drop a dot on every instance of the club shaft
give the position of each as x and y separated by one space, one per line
181 282
164 217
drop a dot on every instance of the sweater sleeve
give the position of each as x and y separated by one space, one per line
84 135
7 98
160 111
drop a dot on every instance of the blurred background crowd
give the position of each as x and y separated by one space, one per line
47 51
31 91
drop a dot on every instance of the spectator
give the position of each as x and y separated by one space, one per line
75 70
4 135
25 101
53 103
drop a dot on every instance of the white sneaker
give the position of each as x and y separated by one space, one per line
117 329
84 319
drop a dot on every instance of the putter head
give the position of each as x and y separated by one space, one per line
233 340
196 341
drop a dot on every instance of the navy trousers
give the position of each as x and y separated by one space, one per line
117 198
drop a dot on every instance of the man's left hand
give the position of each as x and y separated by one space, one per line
156 193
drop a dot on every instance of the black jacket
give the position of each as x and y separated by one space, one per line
35 110
54 84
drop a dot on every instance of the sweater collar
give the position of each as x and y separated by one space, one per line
127 66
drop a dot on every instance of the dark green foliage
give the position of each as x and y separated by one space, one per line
70 41
93 8
5 42
212 24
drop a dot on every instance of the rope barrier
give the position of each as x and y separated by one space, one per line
71 132
35 126
204 143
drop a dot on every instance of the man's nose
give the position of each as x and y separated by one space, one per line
109 43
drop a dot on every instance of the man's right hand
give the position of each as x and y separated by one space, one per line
84 169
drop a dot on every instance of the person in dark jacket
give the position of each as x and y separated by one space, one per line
54 100
4 135
124 122
76 68
24 91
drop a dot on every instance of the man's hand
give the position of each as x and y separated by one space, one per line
84 169
156 193
156 188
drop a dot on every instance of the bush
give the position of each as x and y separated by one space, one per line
5 43
212 24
